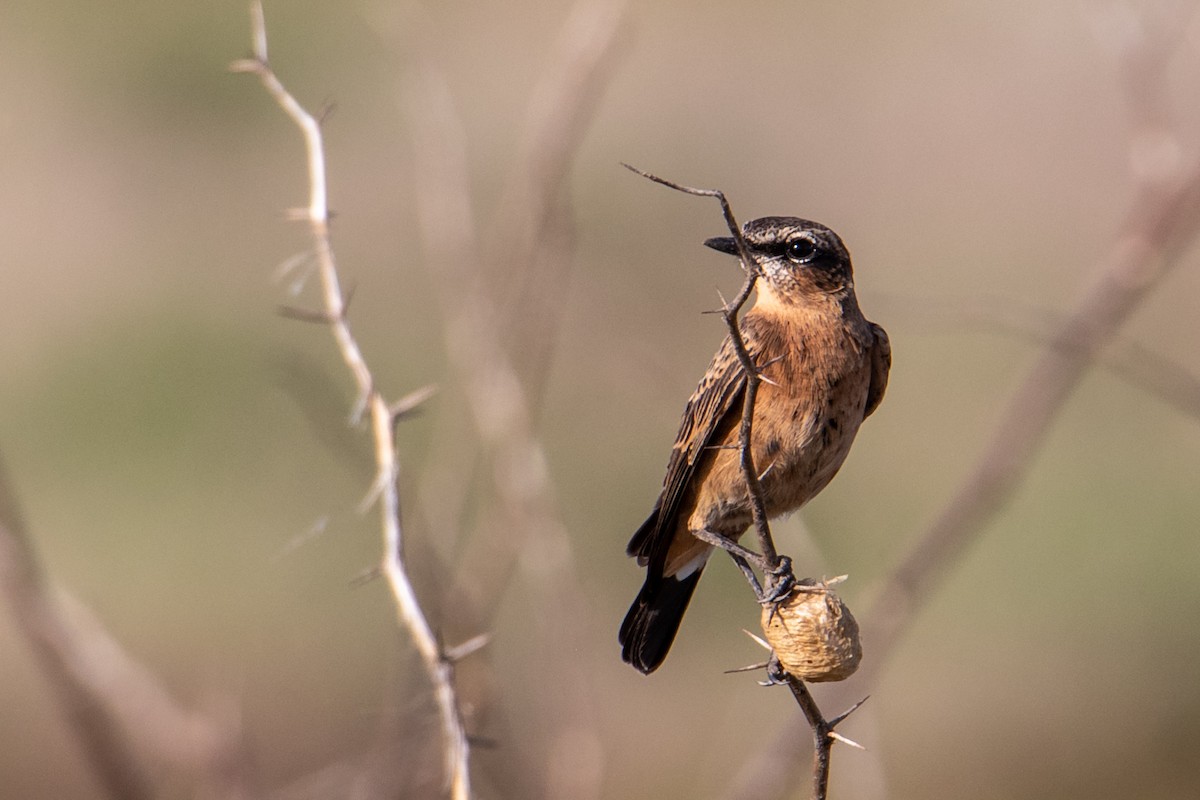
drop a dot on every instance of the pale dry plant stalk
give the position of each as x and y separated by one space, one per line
382 419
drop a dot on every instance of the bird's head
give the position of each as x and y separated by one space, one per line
800 260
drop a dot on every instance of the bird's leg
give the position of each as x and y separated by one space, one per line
748 571
742 556
778 578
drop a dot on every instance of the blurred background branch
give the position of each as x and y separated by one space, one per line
129 727
1162 223
1141 366
500 359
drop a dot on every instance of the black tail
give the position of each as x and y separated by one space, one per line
653 620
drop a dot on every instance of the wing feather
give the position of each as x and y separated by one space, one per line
717 397
881 365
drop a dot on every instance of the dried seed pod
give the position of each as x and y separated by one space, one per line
814 634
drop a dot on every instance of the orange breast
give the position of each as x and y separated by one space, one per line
805 421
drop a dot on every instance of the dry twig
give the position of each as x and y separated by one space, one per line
729 312
382 419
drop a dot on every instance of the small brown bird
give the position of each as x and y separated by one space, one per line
824 368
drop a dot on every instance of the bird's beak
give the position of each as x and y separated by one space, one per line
726 244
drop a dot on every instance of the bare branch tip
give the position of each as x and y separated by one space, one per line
251 66
679 187
325 112
637 171
747 668
482 742
467 648
758 639
373 494
838 737
361 404
291 264
410 403
258 32
366 576
840 718
305 314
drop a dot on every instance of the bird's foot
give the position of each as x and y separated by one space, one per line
775 672
778 582
741 556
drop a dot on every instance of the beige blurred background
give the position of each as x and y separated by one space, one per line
174 441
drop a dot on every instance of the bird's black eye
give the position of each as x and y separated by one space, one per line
800 249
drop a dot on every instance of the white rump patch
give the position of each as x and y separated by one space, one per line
696 563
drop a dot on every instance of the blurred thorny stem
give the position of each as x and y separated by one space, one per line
383 419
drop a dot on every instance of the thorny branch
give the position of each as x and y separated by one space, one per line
729 312
777 568
382 420
824 734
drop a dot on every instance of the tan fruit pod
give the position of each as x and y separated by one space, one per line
814 634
